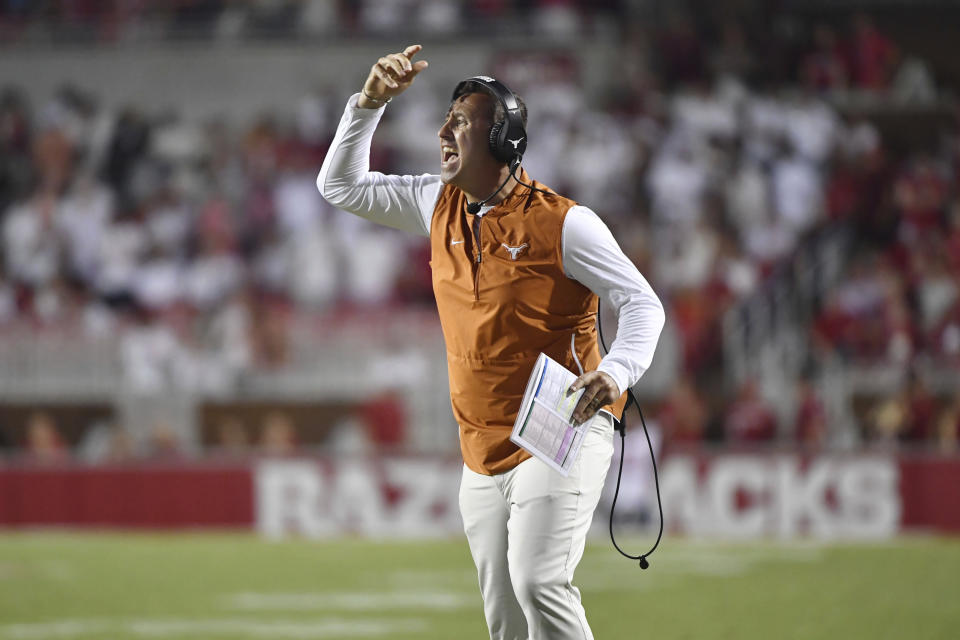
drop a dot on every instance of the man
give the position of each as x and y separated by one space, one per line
517 270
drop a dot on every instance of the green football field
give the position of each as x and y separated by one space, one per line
214 586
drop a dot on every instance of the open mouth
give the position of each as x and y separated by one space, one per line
448 154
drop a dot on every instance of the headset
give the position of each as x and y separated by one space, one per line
508 137
508 142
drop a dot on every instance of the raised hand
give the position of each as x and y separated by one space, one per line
390 76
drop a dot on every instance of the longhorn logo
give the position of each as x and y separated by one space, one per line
514 251
516 142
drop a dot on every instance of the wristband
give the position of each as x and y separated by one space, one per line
372 99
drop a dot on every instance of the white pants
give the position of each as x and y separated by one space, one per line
527 528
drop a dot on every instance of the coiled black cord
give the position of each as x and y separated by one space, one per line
656 477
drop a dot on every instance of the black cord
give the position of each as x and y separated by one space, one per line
656 478
473 208
513 171
619 427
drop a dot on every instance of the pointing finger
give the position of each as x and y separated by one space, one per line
412 50
419 66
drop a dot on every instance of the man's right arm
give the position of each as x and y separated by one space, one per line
345 180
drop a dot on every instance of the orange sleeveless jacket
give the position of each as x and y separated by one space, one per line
503 297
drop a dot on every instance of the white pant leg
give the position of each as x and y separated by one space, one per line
547 529
485 511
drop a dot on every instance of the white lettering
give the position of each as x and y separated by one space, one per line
800 499
390 497
748 496
743 496
732 478
357 503
869 494
682 510
289 499
429 498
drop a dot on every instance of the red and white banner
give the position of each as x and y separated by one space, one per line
730 495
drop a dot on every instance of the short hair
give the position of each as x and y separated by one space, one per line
499 112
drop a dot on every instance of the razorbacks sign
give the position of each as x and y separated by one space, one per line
744 496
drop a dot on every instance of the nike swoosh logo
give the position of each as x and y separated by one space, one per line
455 242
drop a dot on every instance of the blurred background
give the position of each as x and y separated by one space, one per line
193 342
176 297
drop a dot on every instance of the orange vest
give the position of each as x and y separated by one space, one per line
503 298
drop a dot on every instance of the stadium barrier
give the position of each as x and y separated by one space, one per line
742 495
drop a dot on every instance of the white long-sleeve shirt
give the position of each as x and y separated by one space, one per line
590 254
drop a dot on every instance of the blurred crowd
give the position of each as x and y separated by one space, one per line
233 433
197 241
109 21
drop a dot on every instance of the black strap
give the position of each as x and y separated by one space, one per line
631 399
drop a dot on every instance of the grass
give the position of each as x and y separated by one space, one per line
209 586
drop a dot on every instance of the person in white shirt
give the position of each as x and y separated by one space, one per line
504 290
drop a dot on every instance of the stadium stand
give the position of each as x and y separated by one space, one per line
785 174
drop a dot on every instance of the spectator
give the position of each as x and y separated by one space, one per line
797 193
232 439
683 416
29 241
682 56
16 167
948 427
385 420
871 56
223 352
918 423
107 443
164 442
82 220
152 356
810 422
885 421
126 149
733 56
44 442
921 191
824 69
278 435
749 418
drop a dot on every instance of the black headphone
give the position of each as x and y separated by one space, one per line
508 138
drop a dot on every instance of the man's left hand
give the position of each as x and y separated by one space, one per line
600 390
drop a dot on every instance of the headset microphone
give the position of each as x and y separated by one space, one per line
473 208
507 139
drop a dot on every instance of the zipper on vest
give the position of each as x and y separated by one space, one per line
477 220
477 223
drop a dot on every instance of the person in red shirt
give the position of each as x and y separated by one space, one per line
749 419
